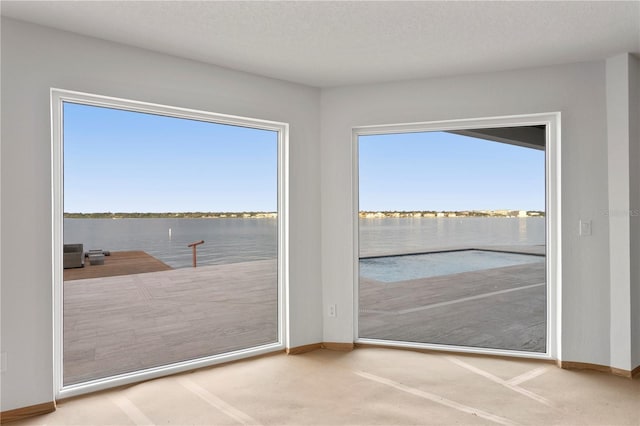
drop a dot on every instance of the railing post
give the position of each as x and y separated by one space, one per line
193 246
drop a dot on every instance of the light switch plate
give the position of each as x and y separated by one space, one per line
585 228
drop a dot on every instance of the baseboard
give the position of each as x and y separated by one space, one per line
621 372
332 346
567 365
304 349
432 351
571 365
336 346
25 412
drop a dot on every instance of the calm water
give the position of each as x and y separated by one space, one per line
233 240
398 235
228 240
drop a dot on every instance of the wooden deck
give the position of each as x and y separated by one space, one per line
118 263
499 308
125 323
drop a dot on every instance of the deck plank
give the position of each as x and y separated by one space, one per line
118 263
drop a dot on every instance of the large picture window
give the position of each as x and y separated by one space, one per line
453 230
168 231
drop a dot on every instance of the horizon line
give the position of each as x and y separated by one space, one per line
193 212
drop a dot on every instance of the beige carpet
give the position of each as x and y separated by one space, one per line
368 386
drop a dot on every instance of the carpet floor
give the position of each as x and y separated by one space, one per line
368 386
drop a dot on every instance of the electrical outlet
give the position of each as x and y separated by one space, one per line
585 228
333 312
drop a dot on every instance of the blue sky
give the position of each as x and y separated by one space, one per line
122 161
442 171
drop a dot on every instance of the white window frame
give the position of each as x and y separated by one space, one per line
553 225
58 97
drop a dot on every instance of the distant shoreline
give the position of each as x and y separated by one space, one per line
451 213
269 215
183 215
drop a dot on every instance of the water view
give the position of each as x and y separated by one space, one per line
145 306
227 240
234 240
385 236
483 282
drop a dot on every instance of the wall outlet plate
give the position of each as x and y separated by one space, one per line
332 311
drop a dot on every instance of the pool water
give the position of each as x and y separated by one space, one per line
410 267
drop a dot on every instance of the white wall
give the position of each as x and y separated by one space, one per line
618 126
634 157
578 91
33 60
623 103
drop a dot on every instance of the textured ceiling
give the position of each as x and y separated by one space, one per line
324 44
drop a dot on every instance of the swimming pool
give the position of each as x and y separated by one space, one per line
410 267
